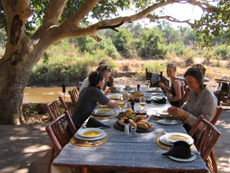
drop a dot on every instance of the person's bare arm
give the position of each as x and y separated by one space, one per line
114 104
167 89
177 87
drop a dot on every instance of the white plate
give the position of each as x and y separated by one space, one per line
164 113
193 157
168 122
81 132
157 97
115 96
89 139
103 112
154 89
170 138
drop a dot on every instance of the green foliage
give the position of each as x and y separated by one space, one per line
155 67
216 22
189 55
223 51
208 55
123 42
151 44
176 48
65 69
89 45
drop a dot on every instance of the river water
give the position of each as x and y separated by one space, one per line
45 94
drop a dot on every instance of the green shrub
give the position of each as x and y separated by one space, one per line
223 51
189 55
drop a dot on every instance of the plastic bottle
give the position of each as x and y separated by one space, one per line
126 121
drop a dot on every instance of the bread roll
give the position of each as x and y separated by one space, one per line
132 124
121 122
142 125
138 118
149 125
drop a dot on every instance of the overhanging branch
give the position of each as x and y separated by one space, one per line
172 19
54 12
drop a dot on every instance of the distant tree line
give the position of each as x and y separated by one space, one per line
159 42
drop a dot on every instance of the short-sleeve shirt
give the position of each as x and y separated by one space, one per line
205 103
84 84
86 103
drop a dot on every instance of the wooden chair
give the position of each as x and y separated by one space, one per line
223 96
148 76
212 158
207 137
201 67
56 108
58 135
185 97
74 95
79 85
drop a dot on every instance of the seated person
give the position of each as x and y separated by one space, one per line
110 82
177 87
105 69
89 97
201 100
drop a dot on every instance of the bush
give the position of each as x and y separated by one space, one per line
189 54
223 51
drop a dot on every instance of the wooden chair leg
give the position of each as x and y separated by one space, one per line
213 159
84 170
51 158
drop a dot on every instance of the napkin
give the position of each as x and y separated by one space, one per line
160 101
92 122
181 149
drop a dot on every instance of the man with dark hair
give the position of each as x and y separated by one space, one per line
89 97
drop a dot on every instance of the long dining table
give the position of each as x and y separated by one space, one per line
127 153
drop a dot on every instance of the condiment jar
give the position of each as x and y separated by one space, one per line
126 121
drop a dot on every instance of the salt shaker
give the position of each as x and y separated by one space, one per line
133 131
126 121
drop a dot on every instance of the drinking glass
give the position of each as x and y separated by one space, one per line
121 103
142 102
147 83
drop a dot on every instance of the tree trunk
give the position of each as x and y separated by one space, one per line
12 89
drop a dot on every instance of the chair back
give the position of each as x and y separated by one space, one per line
56 108
185 97
207 136
219 111
74 95
148 76
79 85
57 131
201 67
223 95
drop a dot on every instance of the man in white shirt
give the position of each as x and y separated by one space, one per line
105 69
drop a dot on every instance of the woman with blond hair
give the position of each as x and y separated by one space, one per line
176 89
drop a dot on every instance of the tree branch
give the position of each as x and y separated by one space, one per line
172 19
54 12
81 13
105 24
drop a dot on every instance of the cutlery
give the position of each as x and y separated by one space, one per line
92 143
